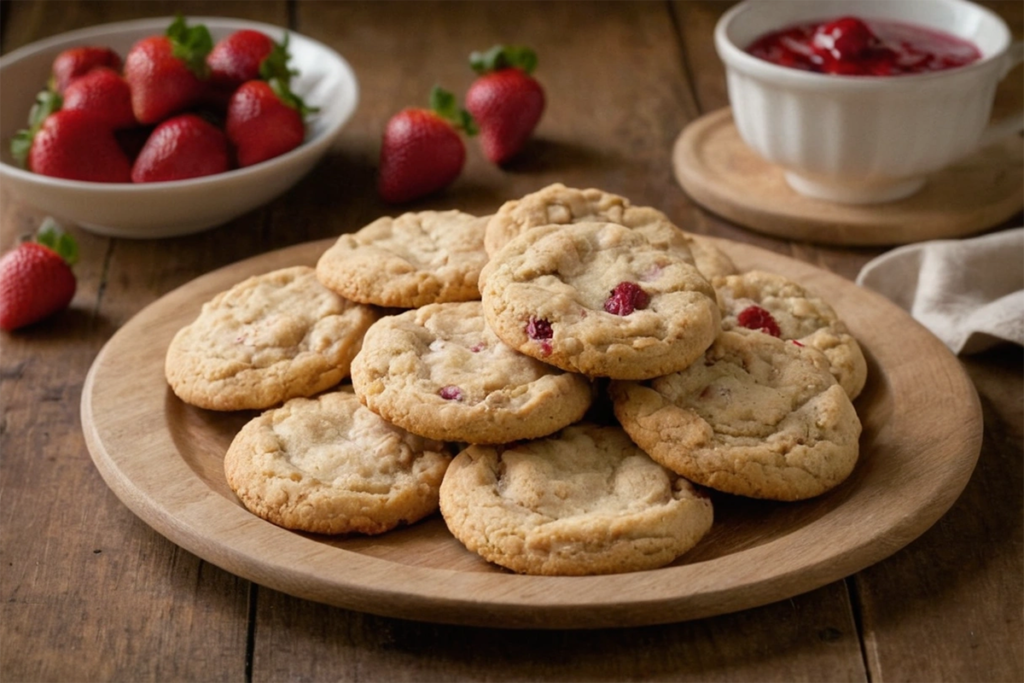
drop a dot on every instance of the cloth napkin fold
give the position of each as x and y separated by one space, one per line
969 292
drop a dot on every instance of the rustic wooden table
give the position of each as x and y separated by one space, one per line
91 593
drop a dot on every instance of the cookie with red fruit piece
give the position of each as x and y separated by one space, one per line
599 299
168 73
36 279
71 144
439 371
422 151
777 306
505 100
756 416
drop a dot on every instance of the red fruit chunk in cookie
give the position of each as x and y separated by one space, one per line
626 298
450 393
538 328
756 318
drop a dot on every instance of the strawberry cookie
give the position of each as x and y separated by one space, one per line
440 372
327 465
599 299
269 338
560 205
408 261
780 307
757 417
583 501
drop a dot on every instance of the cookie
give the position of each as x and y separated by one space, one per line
779 306
408 261
269 338
585 501
757 417
600 300
440 371
327 465
710 260
560 205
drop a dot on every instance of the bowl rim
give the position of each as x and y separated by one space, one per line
735 56
311 146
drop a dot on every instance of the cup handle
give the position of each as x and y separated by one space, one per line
1011 125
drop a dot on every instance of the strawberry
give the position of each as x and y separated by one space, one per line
69 144
103 94
505 100
247 55
36 280
78 61
264 120
422 151
183 146
167 73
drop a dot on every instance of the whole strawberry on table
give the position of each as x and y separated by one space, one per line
36 280
177 106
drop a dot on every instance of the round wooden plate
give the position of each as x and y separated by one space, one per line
163 459
720 172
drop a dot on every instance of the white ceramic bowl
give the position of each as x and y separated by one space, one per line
152 210
857 139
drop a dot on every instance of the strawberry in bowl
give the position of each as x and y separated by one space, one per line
155 205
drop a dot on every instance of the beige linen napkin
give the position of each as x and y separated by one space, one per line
969 293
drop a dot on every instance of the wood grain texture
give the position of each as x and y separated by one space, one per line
918 451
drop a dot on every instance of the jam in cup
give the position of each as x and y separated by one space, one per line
859 100
850 46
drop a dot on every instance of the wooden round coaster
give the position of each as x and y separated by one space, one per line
717 169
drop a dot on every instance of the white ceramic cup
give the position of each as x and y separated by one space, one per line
865 139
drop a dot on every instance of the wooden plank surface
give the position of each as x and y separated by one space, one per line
91 593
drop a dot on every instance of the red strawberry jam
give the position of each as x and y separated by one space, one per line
854 47
756 318
626 298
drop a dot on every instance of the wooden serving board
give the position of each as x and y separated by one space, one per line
921 440
720 172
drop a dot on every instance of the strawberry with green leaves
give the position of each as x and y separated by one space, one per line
264 120
505 100
36 279
70 144
248 55
184 146
422 151
168 73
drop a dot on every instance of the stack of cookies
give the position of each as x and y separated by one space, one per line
563 380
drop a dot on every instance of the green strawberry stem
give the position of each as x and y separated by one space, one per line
444 105
47 102
191 44
285 94
502 57
52 235
275 64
